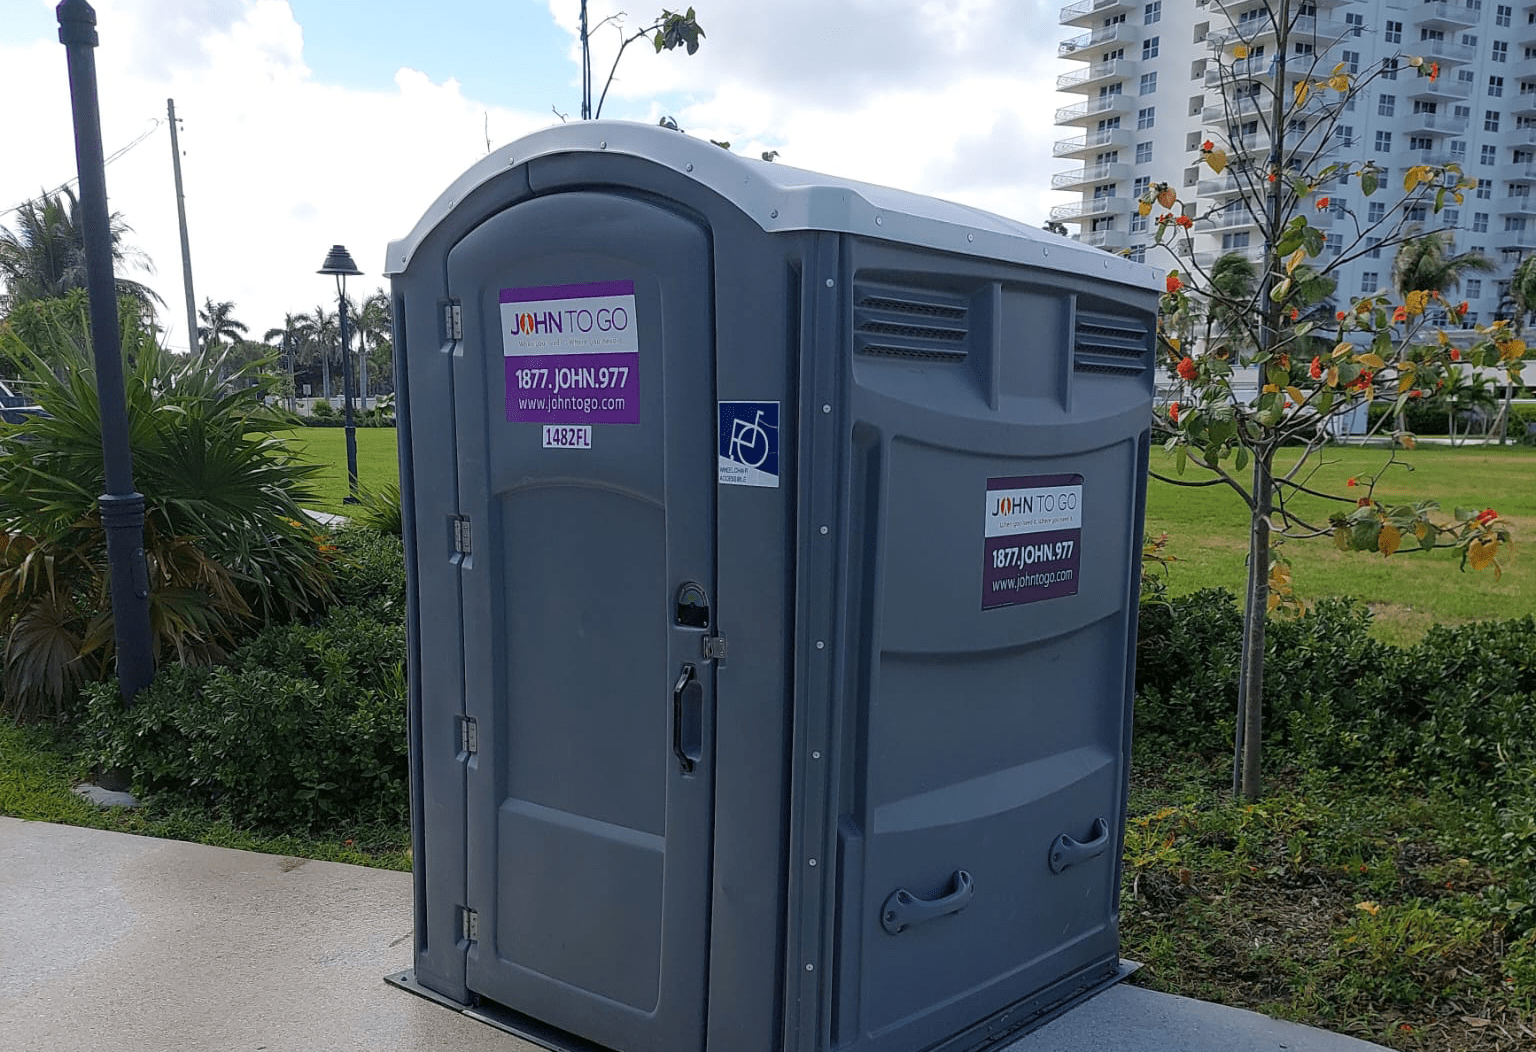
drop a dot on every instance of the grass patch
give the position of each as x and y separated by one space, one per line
1369 913
378 462
39 768
1207 531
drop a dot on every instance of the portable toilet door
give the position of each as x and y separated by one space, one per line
589 799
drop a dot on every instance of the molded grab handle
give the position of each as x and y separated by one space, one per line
688 719
903 909
1068 852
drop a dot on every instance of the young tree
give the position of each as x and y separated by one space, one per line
1305 367
44 256
667 32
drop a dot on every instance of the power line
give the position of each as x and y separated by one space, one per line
154 123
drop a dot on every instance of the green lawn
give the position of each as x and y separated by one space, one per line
1408 592
377 461
1206 527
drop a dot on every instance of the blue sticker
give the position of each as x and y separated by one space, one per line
749 444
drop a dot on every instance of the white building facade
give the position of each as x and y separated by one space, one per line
1144 90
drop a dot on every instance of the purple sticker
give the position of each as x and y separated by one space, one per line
1034 534
572 354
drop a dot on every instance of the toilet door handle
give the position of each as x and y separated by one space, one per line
688 718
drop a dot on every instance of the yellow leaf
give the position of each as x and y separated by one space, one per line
1373 360
1341 538
1369 907
1342 348
1303 89
1339 82
1217 159
1168 197
1460 198
1421 529
1512 349
1175 342
1333 376
1409 442
1272 602
1295 395
1480 553
1340 67
1270 389
1389 539
1415 302
1240 51
1295 260
1404 382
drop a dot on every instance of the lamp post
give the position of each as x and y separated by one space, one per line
339 262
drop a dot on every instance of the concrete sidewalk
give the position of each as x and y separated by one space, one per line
111 941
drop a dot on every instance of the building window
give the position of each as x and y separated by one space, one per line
1138 224
1458 150
1301 48
1490 120
1369 281
1485 189
1501 51
1414 213
1356 23
1462 113
1101 192
1389 69
1383 142
1345 133
1352 60
1148 83
1143 152
1153 12
1376 212
1495 87
1386 105
1145 118
1375 247
1469 320
1333 244
1141 185
1394 33
1450 217
1420 142
1514 224
1474 288
1337 206
1490 154
1420 106
1501 15
1149 48
1233 242
1466 76
1139 254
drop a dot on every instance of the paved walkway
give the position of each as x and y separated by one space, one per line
111 941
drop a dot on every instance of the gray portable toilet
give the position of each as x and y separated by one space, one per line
773 546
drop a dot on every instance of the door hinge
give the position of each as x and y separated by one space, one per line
469 735
461 539
453 321
469 924
714 648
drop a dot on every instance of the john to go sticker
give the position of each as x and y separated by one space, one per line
1034 539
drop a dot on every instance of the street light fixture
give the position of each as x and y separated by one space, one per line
339 262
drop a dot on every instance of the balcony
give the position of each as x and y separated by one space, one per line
1085 47
1089 79
1435 158
1240 69
1505 239
1223 185
1077 178
1442 123
1107 106
1111 139
1235 217
1110 240
1518 172
1517 206
1520 137
1092 208
1524 104
1309 29
1086 12
1445 52
1442 14
1441 89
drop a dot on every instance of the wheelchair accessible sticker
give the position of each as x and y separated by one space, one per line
749 444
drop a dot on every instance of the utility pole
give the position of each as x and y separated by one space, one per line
122 507
181 218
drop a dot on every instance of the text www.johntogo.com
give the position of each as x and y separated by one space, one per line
578 405
1032 580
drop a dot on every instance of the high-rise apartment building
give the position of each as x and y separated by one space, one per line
1151 92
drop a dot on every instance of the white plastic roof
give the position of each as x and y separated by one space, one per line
780 198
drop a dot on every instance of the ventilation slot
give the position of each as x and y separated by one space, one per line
1104 344
900 323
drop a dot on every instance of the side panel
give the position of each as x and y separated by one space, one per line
590 798
978 729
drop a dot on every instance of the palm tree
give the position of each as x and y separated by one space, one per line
44 257
372 321
1424 263
219 325
1522 297
293 339
323 338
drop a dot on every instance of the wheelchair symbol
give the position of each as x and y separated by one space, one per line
750 444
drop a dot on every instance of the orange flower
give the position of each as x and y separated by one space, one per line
1455 354
1434 70
1322 203
1352 483
1295 313
1401 314
1185 222
1187 368
1316 369
1271 177
1415 393
1486 516
1462 309
1207 146
1174 284
1173 412
1341 315
1285 361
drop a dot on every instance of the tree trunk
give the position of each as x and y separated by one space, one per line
1250 709
325 375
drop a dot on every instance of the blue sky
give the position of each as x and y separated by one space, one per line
312 122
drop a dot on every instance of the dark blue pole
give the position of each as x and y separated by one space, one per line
122 507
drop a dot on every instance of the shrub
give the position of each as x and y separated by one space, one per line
306 729
225 542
